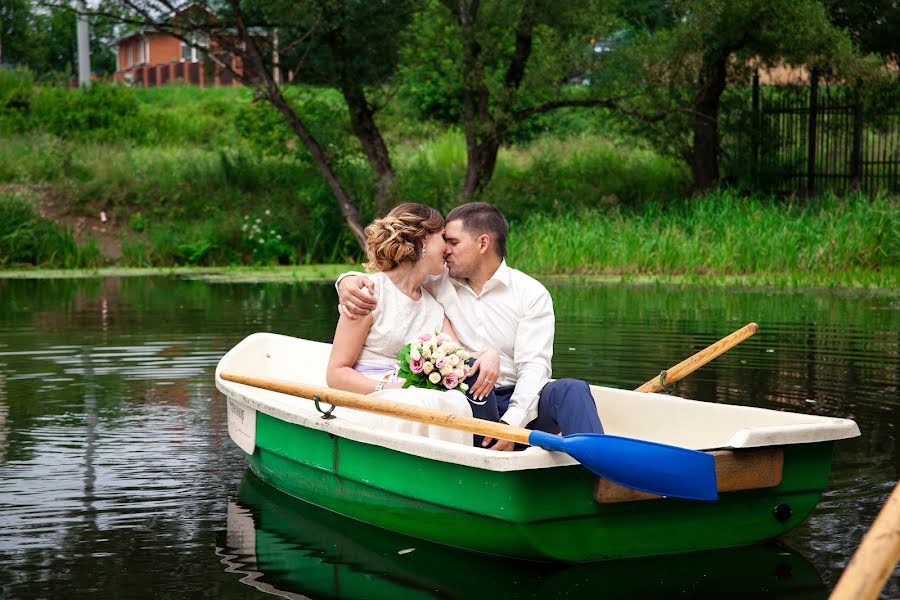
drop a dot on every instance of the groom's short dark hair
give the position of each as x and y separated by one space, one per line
479 218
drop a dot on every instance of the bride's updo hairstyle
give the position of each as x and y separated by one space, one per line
400 235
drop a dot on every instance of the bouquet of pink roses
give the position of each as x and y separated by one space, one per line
434 361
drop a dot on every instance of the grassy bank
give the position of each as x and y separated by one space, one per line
206 178
196 205
234 274
719 239
850 241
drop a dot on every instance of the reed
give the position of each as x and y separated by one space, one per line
721 235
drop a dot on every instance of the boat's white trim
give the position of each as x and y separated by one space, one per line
655 417
286 408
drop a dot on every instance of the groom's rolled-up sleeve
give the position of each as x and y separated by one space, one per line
347 274
531 357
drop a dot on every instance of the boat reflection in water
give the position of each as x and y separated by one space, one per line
290 548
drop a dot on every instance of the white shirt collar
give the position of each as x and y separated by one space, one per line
500 277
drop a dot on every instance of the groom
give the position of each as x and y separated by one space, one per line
492 305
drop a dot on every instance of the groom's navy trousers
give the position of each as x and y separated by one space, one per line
564 406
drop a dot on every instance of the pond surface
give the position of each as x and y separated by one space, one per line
118 478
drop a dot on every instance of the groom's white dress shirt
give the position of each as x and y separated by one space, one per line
513 314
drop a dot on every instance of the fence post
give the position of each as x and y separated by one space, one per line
813 114
755 134
856 152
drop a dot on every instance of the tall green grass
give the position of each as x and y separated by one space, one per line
27 239
189 171
549 176
720 234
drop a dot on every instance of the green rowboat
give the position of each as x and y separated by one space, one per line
772 467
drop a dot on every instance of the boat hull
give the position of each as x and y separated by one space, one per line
536 514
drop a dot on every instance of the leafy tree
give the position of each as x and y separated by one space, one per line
353 47
322 42
42 38
675 78
349 45
495 63
15 18
873 24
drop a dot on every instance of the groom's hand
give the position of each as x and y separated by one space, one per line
356 296
488 368
501 445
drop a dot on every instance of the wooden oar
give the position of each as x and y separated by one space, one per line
692 363
646 466
874 561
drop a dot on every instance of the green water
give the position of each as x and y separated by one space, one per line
118 479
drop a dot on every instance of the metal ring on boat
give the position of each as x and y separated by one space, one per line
326 414
662 382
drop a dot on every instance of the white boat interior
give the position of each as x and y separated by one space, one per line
654 417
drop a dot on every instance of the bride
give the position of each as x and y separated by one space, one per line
403 248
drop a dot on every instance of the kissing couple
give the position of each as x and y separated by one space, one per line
427 274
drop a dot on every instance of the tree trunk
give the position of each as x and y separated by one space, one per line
481 159
266 85
362 119
348 209
705 150
476 114
486 127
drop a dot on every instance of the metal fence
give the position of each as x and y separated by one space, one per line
808 139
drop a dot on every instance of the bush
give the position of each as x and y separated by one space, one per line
102 111
28 239
323 112
15 99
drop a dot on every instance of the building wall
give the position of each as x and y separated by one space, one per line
164 48
160 60
159 48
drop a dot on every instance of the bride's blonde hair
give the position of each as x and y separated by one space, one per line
400 235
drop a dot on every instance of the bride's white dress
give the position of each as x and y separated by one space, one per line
398 319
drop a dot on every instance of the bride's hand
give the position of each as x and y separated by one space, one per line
488 368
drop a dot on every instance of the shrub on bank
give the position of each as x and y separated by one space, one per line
26 239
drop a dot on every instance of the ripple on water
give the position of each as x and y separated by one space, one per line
89 466
114 454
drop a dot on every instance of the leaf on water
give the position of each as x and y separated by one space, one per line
406 551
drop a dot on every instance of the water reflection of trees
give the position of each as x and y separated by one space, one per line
139 334
145 350
833 353
824 352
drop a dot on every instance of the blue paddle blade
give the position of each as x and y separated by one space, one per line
638 464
